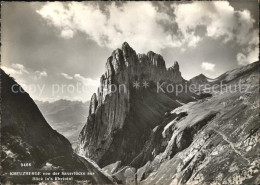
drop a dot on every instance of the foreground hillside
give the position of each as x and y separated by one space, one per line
27 138
210 141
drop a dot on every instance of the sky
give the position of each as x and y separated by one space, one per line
59 49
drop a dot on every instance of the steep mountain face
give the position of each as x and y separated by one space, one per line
210 141
120 121
27 137
67 117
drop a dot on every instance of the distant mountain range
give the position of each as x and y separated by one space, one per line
65 116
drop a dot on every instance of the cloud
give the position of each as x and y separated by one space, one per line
9 70
41 73
144 31
251 53
208 66
146 27
250 56
87 81
20 68
221 21
67 33
82 79
41 85
19 72
219 18
66 76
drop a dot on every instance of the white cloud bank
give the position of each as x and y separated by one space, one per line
221 21
15 69
219 18
82 79
136 22
145 27
208 66
41 86
87 81
19 70
68 77
41 73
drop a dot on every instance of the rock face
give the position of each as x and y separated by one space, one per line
210 141
216 142
27 137
121 116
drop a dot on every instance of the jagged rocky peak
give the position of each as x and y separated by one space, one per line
156 59
124 66
109 68
128 52
93 104
117 115
173 73
175 67
200 79
117 60
142 57
201 76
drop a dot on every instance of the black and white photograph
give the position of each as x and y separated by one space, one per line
130 92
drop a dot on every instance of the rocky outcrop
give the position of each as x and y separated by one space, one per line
211 141
199 80
27 138
119 125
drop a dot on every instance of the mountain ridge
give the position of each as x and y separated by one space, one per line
212 140
26 137
129 115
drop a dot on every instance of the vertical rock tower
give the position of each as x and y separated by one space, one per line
120 121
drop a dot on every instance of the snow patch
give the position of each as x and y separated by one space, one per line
48 164
167 127
183 108
155 128
10 154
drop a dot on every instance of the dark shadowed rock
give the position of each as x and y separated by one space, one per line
27 137
93 104
120 125
215 141
211 141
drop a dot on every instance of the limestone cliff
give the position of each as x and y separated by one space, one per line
120 120
214 140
